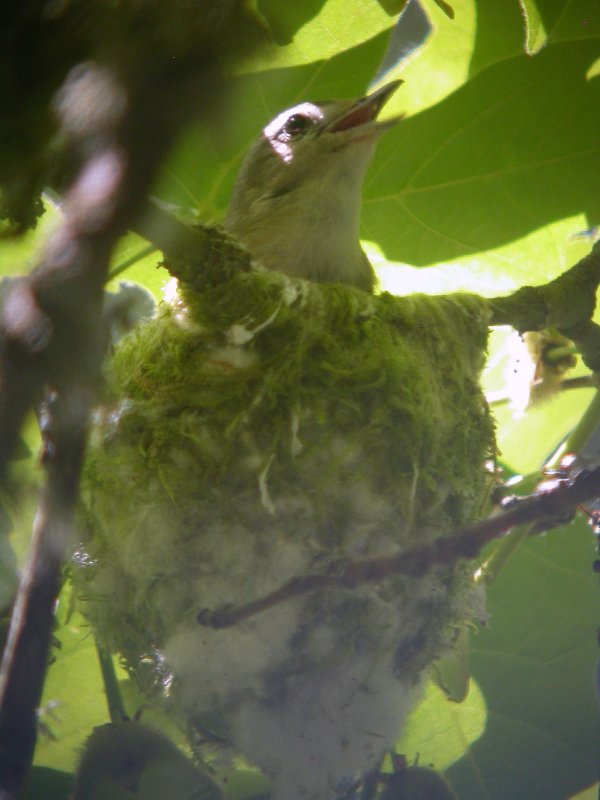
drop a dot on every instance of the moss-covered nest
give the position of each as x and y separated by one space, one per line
267 428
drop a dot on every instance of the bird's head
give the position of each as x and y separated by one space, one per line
302 179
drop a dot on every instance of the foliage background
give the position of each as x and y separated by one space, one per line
486 185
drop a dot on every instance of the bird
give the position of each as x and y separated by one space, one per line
296 201
276 423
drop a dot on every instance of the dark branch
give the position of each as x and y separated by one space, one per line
28 645
51 336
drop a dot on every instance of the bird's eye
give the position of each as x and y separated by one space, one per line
295 126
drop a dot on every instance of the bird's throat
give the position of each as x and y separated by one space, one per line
317 240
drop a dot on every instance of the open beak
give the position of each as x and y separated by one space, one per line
366 110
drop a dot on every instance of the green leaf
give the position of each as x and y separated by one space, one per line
129 759
143 268
19 254
392 6
202 171
49 784
556 21
73 701
535 666
513 150
439 731
418 783
529 726
445 58
314 30
451 672
536 32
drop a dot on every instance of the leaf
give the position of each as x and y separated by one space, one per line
73 700
535 666
202 171
285 19
500 34
445 60
393 6
530 722
439 731
418 783
556 21
129 759
312 36
18 254
446 8
513 150
536 32
49 784
451 672
412 29
142 268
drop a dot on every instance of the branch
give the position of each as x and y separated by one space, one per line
550 506
199 255
567 303
29 639
51 336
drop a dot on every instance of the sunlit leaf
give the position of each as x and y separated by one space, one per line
535 666
317 29
555 21
73 701
513 150
536 32
440 731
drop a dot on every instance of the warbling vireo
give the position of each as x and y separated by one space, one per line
296 201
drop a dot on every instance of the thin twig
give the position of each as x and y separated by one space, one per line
551 506
123 266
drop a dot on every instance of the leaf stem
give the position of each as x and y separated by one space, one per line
114 699
581 434
488 570
118 269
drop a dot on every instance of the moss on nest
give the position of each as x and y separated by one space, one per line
398 375
266 428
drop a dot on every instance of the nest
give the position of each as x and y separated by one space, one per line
265 428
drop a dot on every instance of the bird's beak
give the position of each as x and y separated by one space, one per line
366 110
